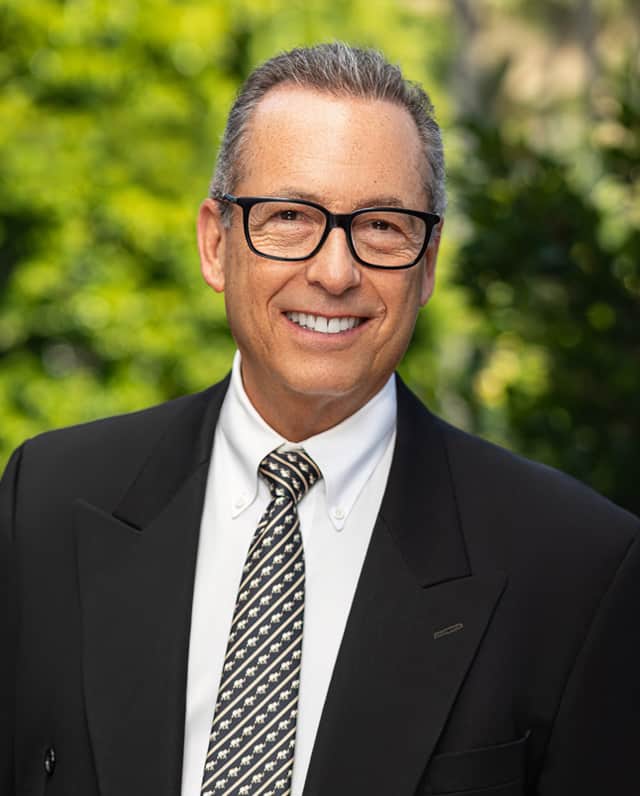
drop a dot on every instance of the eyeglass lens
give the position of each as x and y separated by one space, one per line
390 238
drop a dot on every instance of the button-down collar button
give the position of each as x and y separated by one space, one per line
50 761
338 513
240 501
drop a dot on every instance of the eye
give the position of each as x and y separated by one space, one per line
389 226
289 215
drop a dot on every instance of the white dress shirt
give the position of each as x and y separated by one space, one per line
336 520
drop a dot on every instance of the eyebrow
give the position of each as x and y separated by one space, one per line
378 200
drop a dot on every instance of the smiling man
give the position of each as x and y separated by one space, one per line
279 260
300 581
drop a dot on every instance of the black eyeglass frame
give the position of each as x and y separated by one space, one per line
342 220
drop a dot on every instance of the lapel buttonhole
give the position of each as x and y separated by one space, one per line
446 631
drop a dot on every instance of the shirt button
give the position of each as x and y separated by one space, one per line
338 513
240 501
50 760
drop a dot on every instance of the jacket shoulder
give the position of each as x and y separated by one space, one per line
100 458
122 432
532 502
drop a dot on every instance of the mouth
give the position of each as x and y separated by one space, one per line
323 323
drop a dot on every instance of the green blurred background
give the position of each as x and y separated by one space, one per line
110 114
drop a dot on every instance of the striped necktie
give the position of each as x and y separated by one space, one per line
253 734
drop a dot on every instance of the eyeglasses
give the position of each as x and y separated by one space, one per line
294 229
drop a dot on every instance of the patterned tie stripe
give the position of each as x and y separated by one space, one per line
252 739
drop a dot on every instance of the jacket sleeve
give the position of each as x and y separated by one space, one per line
595 741
8 621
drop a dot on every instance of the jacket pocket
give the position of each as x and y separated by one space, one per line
495 770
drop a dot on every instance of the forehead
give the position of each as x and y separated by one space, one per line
339 149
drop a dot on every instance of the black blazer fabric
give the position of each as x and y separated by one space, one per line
492 649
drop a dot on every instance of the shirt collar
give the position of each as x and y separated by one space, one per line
346 454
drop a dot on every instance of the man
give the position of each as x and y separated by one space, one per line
467 616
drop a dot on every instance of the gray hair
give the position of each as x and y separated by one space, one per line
341 70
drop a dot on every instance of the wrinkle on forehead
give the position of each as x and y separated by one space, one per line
352 134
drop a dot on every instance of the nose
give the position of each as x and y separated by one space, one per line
333 267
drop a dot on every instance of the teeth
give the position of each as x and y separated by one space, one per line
319 323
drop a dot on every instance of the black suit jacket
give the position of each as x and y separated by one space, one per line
493 645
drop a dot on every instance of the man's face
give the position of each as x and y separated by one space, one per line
346 154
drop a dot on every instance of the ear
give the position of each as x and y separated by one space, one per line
431 255
212 237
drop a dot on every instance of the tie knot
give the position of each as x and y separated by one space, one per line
293 472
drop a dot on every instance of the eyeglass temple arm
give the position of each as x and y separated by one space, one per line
222 197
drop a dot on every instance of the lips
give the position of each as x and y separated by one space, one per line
324 324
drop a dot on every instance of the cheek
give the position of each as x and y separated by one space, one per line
248 296
403 305
420 290
402 296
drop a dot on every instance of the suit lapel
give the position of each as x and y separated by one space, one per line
417 619
402 659
136 569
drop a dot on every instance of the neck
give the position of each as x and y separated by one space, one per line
297 417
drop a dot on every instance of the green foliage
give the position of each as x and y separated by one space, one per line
553 267
111 113
103 139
